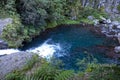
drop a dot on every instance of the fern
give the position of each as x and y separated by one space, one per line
64 75
48 72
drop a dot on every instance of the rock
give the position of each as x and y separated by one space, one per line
3 44
115 23
90 17
11 62
117 49
118 27
4 23
108 21
102 18
118 36
96 21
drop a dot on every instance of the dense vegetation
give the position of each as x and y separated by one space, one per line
30 17
40 69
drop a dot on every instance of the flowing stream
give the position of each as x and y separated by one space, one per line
70 44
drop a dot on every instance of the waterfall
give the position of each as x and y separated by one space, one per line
45 50
8 51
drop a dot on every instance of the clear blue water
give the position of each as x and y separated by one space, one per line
77 42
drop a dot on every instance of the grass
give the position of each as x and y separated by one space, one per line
71 22
30 63
46 71
19 74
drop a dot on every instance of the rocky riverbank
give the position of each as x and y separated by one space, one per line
12 62
110 28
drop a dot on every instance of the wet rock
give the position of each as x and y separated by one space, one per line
104 20
90 17
96 21
117 49
11 62
108 21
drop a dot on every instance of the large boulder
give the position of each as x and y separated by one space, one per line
11 62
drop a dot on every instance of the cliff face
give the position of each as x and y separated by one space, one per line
110 6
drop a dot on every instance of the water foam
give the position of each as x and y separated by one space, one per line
46 50
8 51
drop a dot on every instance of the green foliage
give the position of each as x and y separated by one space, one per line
48 72
13 34
86 21
40 12
71 22
85 12
118 8
30 63
16 75
44 72
52 24
105 72
38 15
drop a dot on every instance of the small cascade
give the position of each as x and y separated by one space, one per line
8 51
46 49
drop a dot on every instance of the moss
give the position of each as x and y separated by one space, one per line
52 24
71 22
86 21
118 8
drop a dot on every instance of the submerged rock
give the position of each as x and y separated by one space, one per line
11 62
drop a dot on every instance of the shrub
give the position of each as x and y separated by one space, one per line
118 8
105 72
14 76
13 33
48 72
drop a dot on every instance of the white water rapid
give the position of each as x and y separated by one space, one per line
45 50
